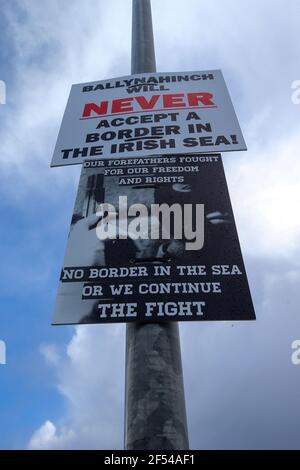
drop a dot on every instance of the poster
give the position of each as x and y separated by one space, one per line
148 114
153 239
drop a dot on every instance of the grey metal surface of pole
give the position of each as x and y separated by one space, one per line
155 414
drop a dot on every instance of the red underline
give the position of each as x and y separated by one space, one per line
146 111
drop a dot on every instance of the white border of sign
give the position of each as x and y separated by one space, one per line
148 114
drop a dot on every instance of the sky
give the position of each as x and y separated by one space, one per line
63 387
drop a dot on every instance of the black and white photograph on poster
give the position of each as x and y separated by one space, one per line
153 239
148 114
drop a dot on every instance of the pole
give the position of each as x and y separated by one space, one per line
155 415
